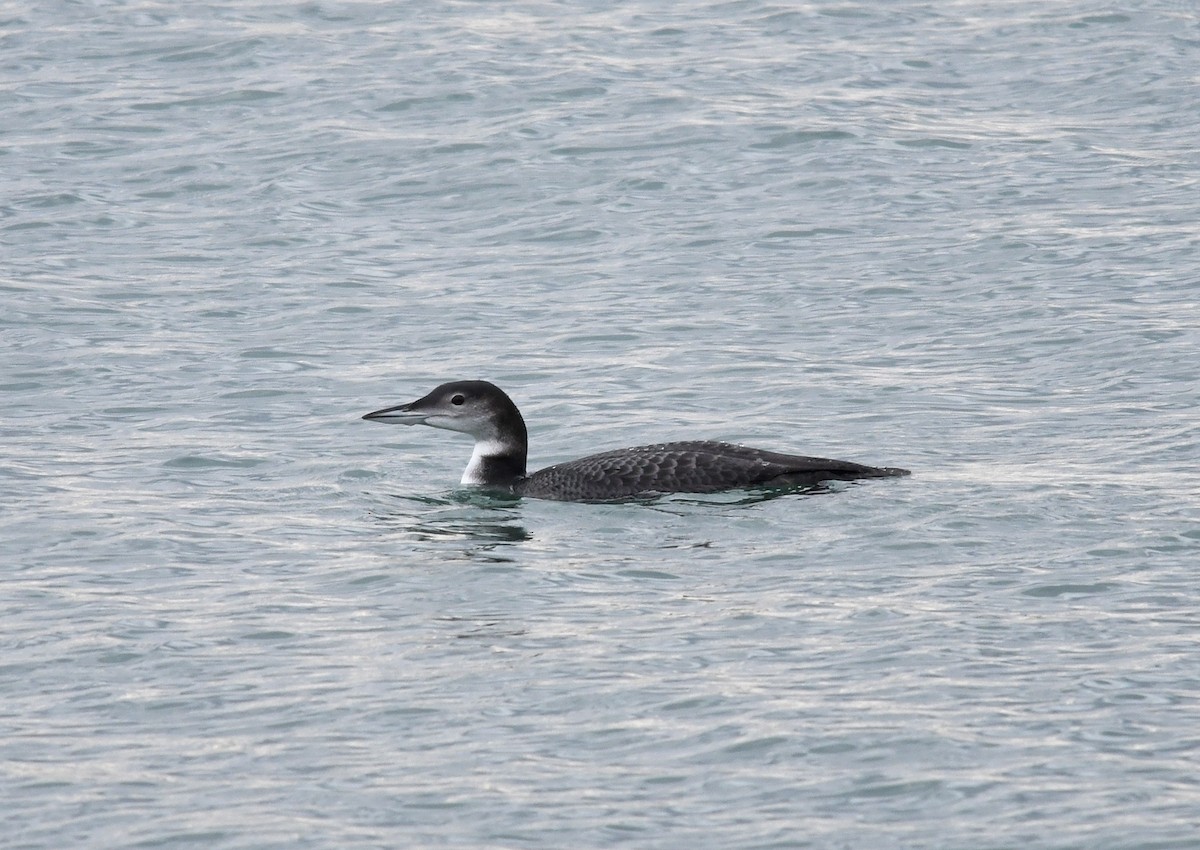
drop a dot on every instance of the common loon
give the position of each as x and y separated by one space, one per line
485 411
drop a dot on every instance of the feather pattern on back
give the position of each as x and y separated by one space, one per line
691 466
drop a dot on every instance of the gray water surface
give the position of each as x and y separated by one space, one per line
959 238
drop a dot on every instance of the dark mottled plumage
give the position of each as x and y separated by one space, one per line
693 466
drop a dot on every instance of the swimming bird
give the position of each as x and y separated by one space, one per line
485 411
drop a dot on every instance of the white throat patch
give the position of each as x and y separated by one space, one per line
473 474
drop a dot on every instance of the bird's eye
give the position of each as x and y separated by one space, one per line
457 399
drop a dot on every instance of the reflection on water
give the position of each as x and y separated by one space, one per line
489 523
686 503
470 515
488 630
488 514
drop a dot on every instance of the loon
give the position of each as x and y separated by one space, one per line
485 411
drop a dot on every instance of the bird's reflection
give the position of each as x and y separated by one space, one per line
489 522
680 503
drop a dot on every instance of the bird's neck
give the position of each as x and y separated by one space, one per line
495 464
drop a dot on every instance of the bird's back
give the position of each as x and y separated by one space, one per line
694 466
